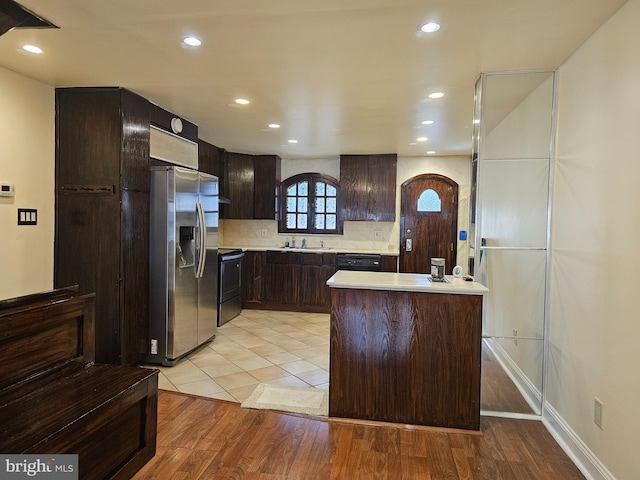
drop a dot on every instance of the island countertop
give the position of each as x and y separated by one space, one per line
405 282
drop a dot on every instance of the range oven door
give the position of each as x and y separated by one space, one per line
230 285
230 276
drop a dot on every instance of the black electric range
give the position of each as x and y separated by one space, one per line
229 283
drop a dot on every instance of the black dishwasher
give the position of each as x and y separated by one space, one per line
358 262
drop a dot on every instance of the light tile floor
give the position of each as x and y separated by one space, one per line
258 346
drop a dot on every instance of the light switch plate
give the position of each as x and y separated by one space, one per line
27 216
598 411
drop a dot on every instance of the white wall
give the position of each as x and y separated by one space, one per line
594 335
27 160
326 166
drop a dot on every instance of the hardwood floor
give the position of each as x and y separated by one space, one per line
202 438
497 392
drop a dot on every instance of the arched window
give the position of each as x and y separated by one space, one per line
429 201
310 205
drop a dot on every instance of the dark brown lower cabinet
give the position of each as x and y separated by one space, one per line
406 357
388 263
282 285
314 292
316 269
290 281
253 279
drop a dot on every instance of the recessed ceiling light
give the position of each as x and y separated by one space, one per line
429 27
421 139
436 95
242 101
292 141
427 122
476 121
192 41
274 125
431 152
32 49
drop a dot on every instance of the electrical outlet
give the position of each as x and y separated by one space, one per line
154 346
263 232
598 411
377 234
515 334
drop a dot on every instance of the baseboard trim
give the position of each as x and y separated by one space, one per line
590 466
516 416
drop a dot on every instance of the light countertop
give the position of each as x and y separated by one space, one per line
406 282
319 250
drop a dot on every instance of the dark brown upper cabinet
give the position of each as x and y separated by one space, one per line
239 186
211 160
266 180
99 138
368 184
251 184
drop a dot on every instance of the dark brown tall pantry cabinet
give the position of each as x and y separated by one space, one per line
102 212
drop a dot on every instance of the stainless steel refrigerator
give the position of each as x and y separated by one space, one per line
183 263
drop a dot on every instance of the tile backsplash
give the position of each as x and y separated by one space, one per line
379 237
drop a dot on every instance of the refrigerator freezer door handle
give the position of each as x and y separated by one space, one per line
202 232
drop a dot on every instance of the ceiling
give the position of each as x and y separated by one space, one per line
339 76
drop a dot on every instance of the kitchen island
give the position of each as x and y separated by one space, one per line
405 349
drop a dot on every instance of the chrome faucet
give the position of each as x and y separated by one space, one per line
304 243
321 243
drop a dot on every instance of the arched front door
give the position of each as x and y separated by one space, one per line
428 222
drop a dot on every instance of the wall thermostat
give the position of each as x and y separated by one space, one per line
6 190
